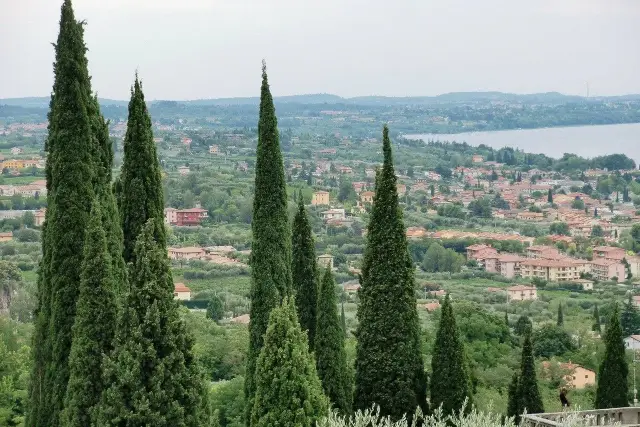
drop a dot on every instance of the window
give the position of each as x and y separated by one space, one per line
586 377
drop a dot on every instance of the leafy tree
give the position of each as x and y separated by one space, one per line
152 375
523 325
346 191
577 203
69 173
93 329
529 398
141 197
480 208
450 384
271 244
630 318
330 353
288 390
551 340
597 231
596 320
550 197
560 319
389 366
561 228
439 259
512 403
612 389
215 308
304 271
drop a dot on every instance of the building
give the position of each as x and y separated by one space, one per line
184 170
181 292
508 265
416 232
39 217
325 261
474 251
338 214
550 270
607 269
188 253
190 217
587 285
6 237
17 150
402 189
543 252
576 376
320 198
477 158
240 320
367 196
522 293
632 342
214 149
608 252
170 216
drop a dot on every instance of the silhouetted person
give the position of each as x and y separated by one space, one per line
563 398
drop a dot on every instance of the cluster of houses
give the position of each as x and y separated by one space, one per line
549 264
34 189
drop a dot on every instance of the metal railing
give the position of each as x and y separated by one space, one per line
629 416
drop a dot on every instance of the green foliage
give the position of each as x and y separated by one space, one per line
450 384
304 271
529 398
438 259
512 404
215 308
94 327
389 366
596 320
523 325
151 374
288 390
596 231
550 197
612 389
630 318
480 208
227 402
15 364
559 228
271 244
560 317
329 347
141 197
552 340
577 204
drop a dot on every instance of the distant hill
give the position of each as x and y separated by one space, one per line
323 98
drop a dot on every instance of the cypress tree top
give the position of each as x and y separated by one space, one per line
450 378
304 271
612 390
389 366
271 235
141 196
529 398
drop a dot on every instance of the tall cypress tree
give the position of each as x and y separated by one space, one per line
612 390
93 329
288 390
596 320
140 196
389 366
70 173
450 377
529 398
271 244
152 376
512 403
330 353
304 271
560 319
630 318
549 197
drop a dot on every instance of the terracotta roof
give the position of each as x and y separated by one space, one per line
180 287
521 288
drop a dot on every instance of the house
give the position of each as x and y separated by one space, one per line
186 141
474 250
607 269
338 214
170 216
358 186
608 252
587 285
430 306
530 216
241 320
416 232
522 293
351 286
17 150
402 189
325 261
6 237
576 376
477 158
320 198
39 217
190 217
181 292
632 342
367 197
543 252
214 149
188 253
184 170
345 170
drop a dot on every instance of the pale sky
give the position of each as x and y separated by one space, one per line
195 49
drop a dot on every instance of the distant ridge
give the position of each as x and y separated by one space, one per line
323 98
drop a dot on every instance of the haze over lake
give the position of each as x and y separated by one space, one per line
586 141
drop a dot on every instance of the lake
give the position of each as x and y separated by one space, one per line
585 141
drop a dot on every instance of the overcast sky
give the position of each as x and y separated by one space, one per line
192 49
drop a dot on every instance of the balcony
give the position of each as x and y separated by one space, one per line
598 417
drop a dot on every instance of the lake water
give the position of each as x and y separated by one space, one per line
585 141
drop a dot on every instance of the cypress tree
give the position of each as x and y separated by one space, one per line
630 319
288 390
140 196
271 244
152 377
596 320
529 398
389 366
450 376
93 329
550 197
560 320
329 347
303 271
512 403
343 319
70 174
612 389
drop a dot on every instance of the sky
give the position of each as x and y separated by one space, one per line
197 49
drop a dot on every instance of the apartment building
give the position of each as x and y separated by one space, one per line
522 293
562 270
607 269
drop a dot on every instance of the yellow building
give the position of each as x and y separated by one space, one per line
320 198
